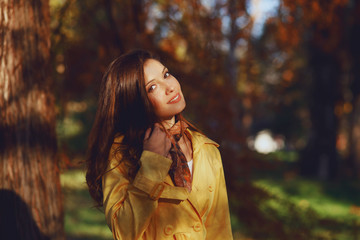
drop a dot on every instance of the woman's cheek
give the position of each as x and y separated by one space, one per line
154 103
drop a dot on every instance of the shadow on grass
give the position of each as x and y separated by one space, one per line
264 215
273 202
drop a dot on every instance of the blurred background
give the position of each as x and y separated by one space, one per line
275 82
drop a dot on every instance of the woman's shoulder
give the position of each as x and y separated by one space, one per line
208 147
115 156
118 139
115 146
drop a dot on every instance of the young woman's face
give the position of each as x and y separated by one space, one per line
164 91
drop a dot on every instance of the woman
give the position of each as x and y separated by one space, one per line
155 175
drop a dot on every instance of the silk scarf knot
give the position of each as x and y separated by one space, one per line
179 170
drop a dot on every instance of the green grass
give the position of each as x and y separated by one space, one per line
82 220
308 209
276 203
312 194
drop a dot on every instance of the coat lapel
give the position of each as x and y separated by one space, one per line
196 181
197 141
195 185
199 179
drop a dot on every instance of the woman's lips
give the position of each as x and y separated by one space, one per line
175 99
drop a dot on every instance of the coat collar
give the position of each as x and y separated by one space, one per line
199 139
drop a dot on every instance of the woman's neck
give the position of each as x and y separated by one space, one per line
168 123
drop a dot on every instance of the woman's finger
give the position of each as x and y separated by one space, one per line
147 133
159 127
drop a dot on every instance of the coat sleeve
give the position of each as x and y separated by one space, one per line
129 205
218 223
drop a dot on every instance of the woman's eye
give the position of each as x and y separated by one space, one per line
151 88
167 74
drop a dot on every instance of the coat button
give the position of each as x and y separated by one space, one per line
169 229
197 227
211 188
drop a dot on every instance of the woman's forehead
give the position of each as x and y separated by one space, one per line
153 63
152 69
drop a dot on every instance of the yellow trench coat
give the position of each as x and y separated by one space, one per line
151 207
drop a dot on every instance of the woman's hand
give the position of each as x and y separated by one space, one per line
156 141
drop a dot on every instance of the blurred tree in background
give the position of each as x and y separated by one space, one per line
324 36
30 191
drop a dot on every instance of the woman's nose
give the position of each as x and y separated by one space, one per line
169 88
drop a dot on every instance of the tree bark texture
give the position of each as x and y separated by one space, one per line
30 193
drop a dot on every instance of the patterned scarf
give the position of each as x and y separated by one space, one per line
179 171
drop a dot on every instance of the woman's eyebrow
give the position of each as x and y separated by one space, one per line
164 69
149 82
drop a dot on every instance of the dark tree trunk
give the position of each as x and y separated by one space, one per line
319 159
30 194
236 9
353 161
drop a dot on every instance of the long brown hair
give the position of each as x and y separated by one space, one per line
123 109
